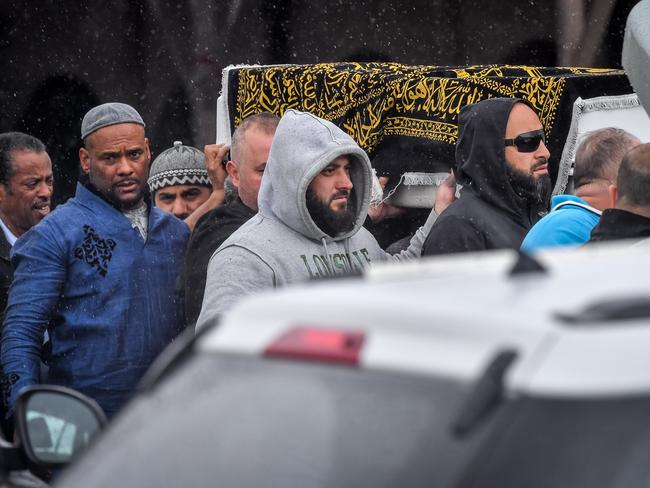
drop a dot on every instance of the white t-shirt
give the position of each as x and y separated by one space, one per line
11 238
139 218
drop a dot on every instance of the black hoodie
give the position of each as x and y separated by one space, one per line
488 214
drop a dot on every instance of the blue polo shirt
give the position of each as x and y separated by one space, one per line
569 223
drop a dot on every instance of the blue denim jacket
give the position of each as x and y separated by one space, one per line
108 298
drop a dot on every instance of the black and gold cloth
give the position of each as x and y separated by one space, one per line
405 117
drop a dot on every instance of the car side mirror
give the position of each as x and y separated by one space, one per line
54 424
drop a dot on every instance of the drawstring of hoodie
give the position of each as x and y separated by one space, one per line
346 245
329 258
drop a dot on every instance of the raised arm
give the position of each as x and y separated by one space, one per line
445 195
214 156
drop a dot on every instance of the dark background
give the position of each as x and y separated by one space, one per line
59 58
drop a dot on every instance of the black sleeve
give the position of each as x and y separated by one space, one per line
453 235
206 238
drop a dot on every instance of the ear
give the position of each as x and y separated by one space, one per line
84 160
148 150
613 195
233 171
3 192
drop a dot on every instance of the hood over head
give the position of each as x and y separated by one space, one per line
302 147
480 155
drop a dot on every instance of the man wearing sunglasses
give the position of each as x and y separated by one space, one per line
501 161
573 217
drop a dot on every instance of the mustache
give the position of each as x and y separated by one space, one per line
539 162
41 205
128 180
341 193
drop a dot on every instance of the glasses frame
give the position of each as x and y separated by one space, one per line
520 140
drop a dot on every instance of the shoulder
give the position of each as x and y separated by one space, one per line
455 219
170 221
219 223
561 227
233 210
259 232
454 233
69 212
238 258
364 238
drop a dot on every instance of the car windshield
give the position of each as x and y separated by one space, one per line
250 422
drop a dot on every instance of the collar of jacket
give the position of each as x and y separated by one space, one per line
621 224
95 203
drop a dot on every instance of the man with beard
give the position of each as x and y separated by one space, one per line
573 217
249 152
311 207
99 272
501 161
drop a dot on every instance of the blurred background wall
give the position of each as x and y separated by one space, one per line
59 58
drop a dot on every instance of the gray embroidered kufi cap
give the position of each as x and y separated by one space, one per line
178 165
109 114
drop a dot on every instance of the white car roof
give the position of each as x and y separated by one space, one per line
449 316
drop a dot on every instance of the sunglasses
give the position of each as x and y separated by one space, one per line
528 141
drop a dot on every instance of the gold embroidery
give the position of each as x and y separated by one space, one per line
373 100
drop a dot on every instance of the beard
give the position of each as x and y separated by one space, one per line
536 190
331 222
111 194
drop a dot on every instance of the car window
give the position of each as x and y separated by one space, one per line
256 422
581 443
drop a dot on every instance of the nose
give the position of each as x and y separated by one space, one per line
125 167
343 182
542 151
179 208
44 190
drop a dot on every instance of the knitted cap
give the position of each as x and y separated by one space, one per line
109 114
178 165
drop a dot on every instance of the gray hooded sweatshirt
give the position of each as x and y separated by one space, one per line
282 244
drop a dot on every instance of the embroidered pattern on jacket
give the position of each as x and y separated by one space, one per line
97 252
6 383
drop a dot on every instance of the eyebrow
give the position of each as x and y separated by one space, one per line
109 152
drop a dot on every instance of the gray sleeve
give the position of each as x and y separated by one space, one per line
414 251
233 272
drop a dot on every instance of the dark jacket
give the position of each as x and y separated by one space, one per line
210 232
620 224
6 272
489 214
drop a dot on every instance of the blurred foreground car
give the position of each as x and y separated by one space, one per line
465 371
53 426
